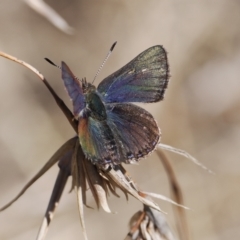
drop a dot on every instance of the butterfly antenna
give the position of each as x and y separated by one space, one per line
55 65
106 58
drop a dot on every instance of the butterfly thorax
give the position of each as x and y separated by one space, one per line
94 105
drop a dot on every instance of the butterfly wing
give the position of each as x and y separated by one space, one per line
74 89
144 79
128 133
97 140
135 131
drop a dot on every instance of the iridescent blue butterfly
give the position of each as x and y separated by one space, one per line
111 129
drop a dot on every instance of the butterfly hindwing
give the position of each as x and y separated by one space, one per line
74 89
144 79
135 131
97 140
128 133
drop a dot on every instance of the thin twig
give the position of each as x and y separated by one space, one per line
56 156
53 203
177 195
50 14
58 100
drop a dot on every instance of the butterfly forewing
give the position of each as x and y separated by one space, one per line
74 89
144 79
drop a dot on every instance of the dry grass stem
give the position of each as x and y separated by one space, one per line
61 151
185 154
181 219
50 14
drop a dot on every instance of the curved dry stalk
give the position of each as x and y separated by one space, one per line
51 15
58 188
56 156
14 59
177 196
162 197
125 183
58 100
53 203
185 154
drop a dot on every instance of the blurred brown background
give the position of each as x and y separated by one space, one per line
200 112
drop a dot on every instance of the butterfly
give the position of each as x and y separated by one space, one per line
111 128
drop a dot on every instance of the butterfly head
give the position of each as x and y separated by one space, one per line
87 87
